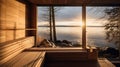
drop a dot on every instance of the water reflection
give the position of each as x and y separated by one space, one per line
96 35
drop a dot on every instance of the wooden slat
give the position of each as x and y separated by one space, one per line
38 63
38 60
26 59
76 2
12 16
9 50
57 49
28 40
10 35
19 34
5 59
12 61
105 63
2 36
3 10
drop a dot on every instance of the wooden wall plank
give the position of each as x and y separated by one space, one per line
76 2
10 35
19 34
2 36
12 19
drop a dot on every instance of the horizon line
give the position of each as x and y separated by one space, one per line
68 26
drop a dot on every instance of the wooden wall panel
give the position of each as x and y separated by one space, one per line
76 2
2 14
2 36
12 20
10 35
19 34
21 19
2 24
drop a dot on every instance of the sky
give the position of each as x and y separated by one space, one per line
73 16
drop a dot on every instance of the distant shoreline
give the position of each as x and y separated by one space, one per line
71 26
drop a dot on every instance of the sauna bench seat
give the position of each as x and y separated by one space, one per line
56 49
26 59
13 54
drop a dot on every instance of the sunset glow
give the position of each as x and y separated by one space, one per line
69 17
89 22
69 25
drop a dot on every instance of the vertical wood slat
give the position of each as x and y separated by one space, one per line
31 22
2 36
84 27
19 34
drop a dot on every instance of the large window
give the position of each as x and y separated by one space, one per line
103 30
68 22
68 30
96 33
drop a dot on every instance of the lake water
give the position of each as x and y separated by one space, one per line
95 35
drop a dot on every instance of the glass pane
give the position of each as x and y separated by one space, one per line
97 32
68 22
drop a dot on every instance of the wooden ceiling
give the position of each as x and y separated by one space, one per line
76 2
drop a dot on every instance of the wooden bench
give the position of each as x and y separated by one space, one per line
12 54
105 63
26 59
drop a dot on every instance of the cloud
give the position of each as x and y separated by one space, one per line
64 14
74 14
68 13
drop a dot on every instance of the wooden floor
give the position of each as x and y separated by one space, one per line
99 63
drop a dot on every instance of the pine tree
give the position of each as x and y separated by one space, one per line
113 26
